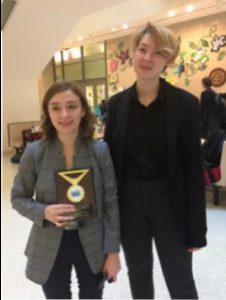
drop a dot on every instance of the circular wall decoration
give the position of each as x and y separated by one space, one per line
218 76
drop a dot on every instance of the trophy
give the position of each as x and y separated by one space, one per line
76 187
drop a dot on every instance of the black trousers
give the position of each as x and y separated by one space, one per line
71 254
146 214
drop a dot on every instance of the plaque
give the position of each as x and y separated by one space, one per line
76 187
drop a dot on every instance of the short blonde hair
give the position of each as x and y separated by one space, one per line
167 42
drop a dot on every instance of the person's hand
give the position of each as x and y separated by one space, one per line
57 214
193 249
111 267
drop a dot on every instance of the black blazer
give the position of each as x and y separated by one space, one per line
185 162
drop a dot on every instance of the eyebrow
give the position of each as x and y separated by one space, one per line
68 102
146 45
143 44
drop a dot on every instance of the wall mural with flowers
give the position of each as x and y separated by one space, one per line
196 58
203 50
119 60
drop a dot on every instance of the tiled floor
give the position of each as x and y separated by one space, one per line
209 264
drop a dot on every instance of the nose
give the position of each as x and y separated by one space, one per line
64 112
149 55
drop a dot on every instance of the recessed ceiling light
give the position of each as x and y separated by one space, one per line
125 26
79 38
171 13
189 8
113 29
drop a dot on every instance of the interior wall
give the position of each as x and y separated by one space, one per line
34 31
21 102
21 97
194 31
121 74
119 64
46 79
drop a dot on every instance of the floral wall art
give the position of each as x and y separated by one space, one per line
198 55
119 63
203 50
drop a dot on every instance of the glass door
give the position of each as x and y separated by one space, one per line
95 91
89 90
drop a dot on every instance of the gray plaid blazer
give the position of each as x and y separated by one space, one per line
34 188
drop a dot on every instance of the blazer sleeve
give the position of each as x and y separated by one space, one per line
109 196
23 190
110 126
192 163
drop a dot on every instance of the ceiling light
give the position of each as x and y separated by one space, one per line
189 8
113 29
79 38
125 26
171 13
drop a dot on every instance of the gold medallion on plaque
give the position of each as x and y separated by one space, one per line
75 193
76 187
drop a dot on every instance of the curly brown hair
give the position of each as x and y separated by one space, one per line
86 128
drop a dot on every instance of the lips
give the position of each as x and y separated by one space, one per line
65 124
146 67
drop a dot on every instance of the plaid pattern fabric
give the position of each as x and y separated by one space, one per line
34 188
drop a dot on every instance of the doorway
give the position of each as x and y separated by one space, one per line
95 90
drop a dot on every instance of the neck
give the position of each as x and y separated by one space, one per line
147 91
68 143
68 139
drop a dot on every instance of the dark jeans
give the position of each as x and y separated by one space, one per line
71 254
146 215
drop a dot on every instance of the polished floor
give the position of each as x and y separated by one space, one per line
209 263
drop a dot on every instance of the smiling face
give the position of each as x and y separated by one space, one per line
65 111
148 60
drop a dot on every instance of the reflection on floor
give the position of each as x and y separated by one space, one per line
209 264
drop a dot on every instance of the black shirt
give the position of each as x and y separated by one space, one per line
146 139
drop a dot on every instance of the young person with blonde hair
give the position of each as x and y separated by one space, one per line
153 132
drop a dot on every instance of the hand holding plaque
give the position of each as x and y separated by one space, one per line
76 187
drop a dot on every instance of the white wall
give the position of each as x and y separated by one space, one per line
34 31
21 103
38 28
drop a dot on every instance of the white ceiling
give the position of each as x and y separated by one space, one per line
38 28
97 26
